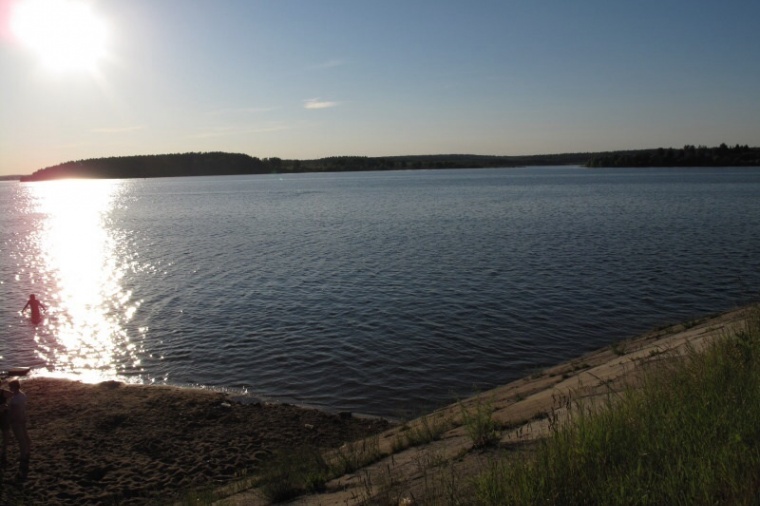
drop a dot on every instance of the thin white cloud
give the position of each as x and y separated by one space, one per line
242 110
330 64
117 130
229 131
316 103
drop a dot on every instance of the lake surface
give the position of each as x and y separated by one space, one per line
386 293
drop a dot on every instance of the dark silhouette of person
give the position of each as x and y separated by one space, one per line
5 426
35 306
17 419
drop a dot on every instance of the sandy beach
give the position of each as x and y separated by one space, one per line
113 443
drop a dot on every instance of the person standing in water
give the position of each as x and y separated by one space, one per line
35 306
17 419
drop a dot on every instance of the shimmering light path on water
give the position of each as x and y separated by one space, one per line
385 293
71 254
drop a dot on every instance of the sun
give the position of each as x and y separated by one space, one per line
65 34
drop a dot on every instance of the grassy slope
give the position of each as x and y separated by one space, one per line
689 435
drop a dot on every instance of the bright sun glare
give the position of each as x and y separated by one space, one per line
65 34
89 308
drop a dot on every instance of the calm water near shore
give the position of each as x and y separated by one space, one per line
386 293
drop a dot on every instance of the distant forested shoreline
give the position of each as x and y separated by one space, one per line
221 164
688 156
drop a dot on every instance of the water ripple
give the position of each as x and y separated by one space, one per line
389 293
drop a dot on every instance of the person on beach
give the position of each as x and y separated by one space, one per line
17 419
35 306
5 426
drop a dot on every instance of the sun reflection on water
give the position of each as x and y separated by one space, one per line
84 260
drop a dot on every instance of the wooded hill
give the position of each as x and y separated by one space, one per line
221 164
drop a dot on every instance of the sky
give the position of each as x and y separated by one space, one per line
314 78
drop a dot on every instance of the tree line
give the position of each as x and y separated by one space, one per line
144 166
224 164
688 156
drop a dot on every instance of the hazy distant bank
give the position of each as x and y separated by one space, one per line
219 163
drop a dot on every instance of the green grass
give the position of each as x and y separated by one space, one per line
426 430
619 349
480 426
355 455
689 435
306 470
294 472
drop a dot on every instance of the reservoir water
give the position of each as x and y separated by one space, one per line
387 293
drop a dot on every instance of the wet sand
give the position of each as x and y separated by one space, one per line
130 444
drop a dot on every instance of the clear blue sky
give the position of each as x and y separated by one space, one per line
313 78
